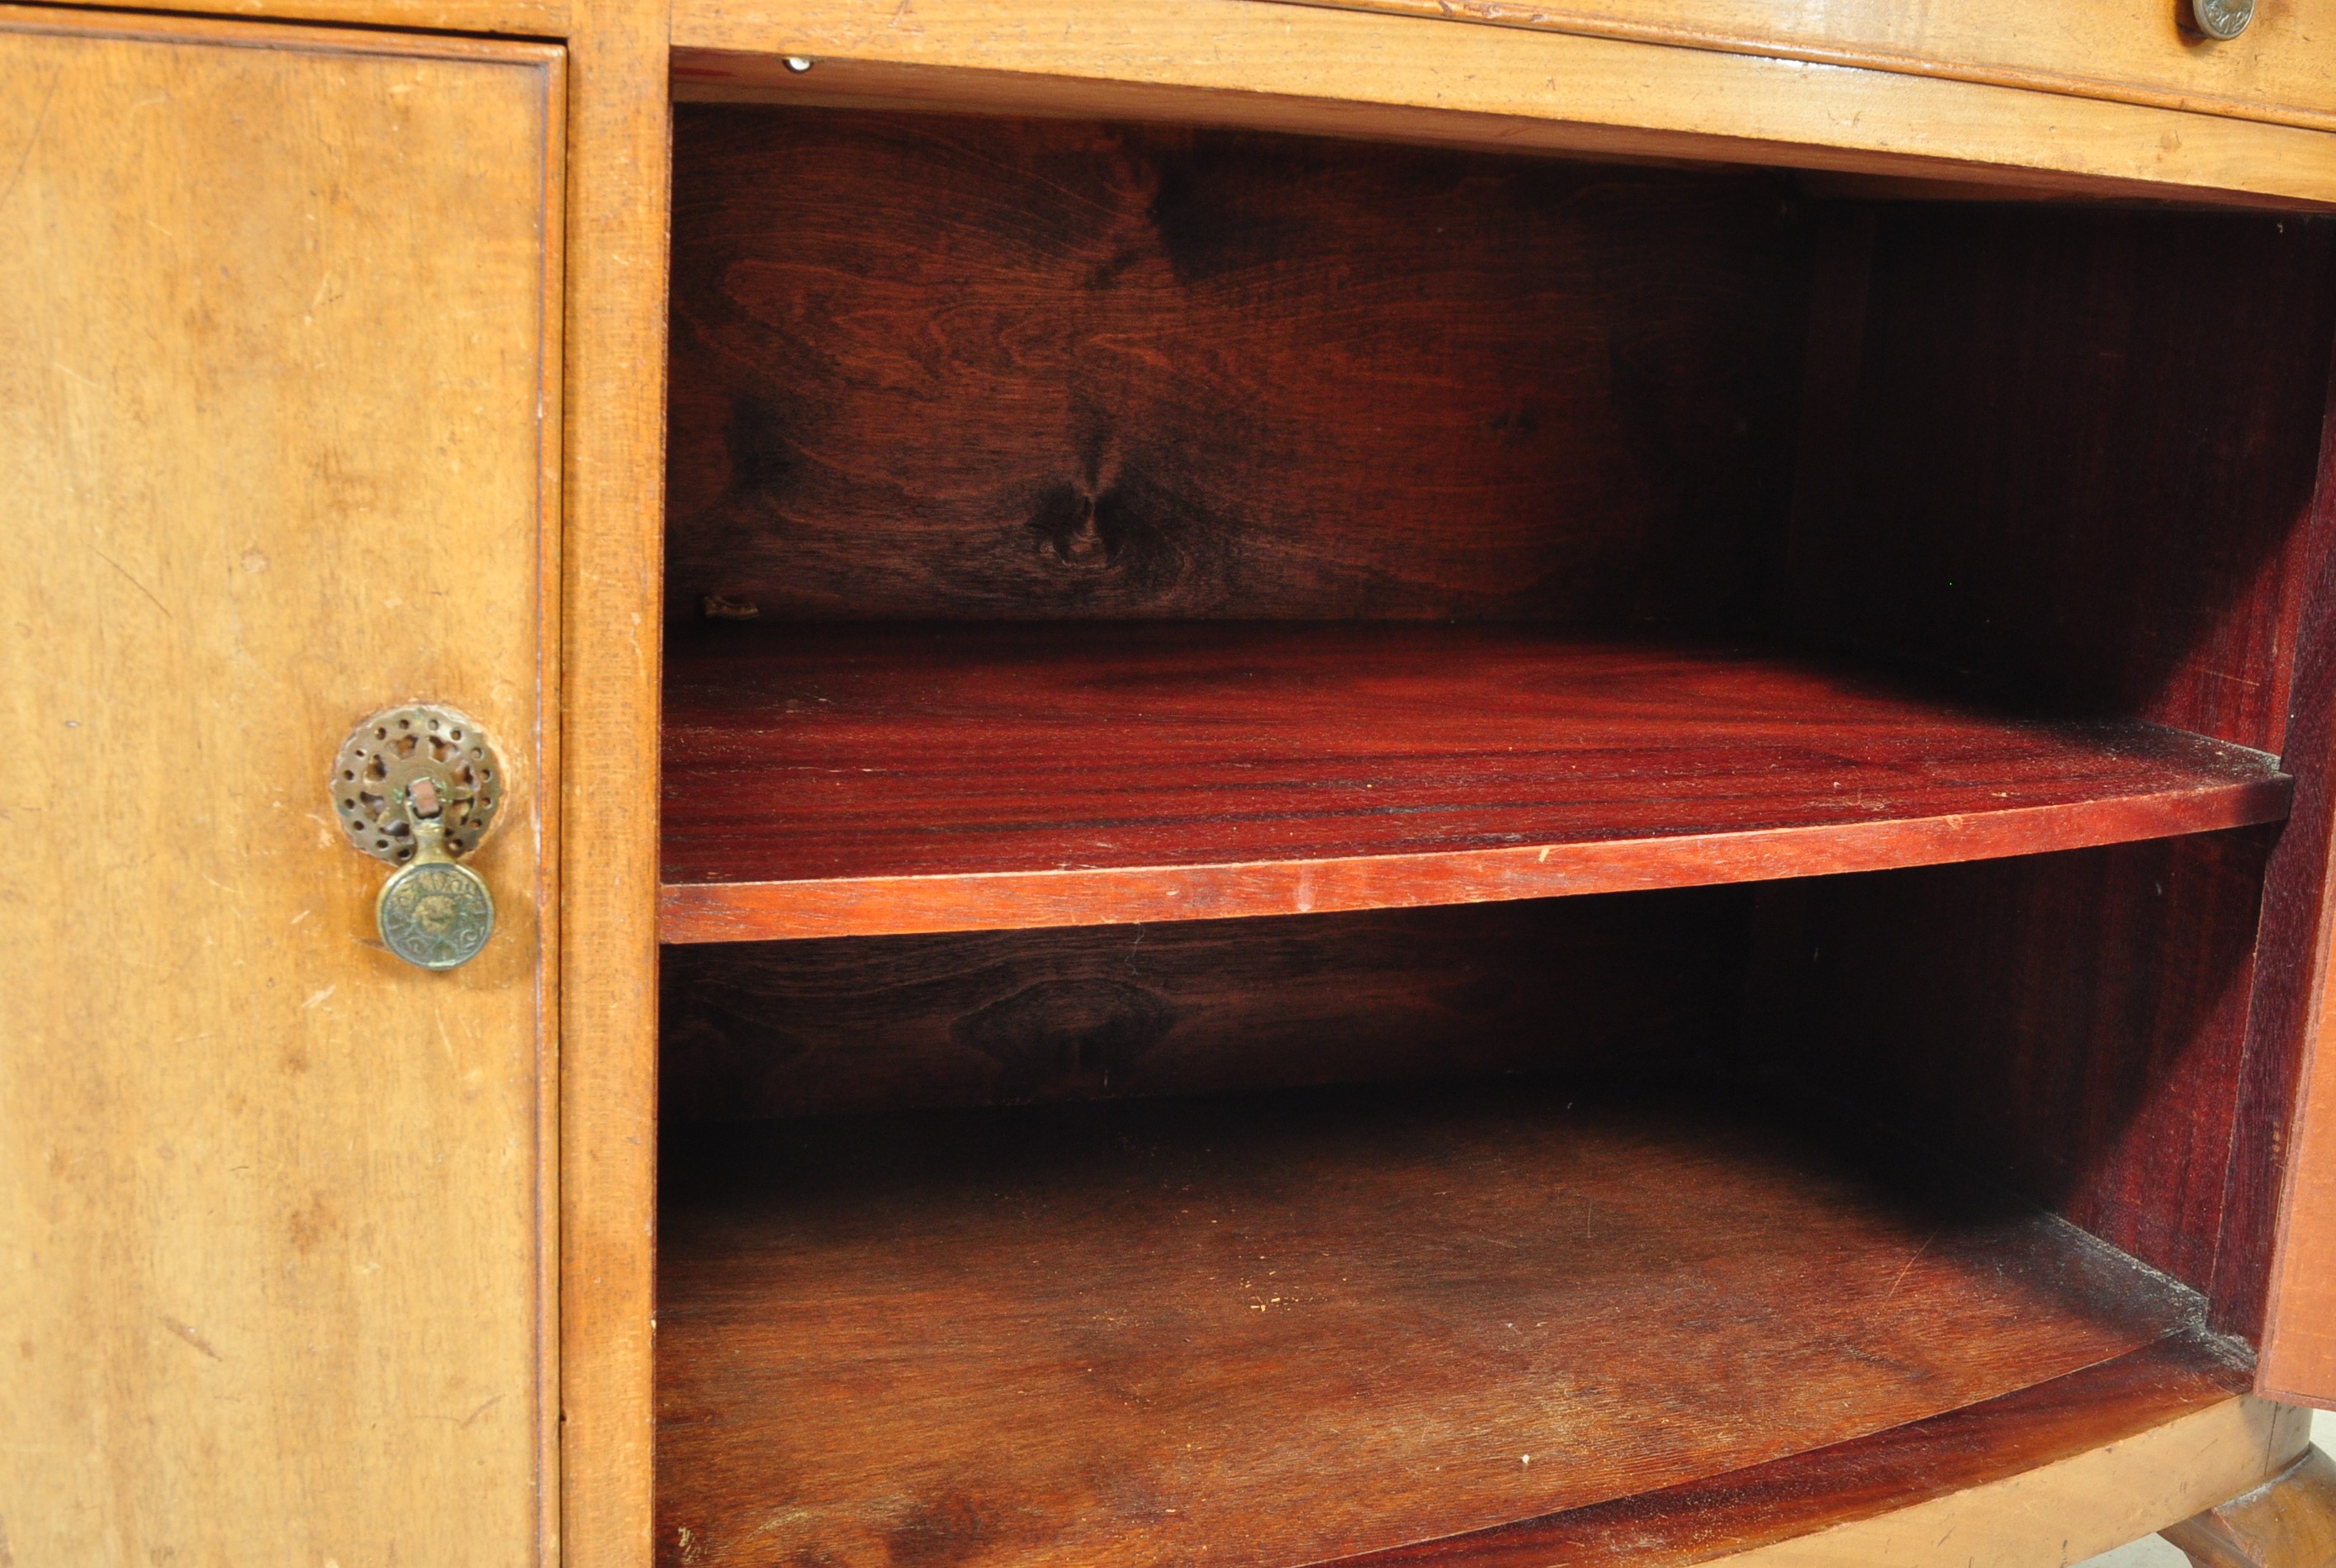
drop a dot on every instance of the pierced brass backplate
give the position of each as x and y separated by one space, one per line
382 759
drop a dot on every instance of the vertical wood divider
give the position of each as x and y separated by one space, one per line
551 331
619 196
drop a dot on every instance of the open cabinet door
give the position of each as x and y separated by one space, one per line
277 425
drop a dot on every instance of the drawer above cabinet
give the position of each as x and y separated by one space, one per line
2280 65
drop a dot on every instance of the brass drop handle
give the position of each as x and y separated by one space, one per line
2222 19
416 786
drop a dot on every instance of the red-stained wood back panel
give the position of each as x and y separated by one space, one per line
1630 984
959 367
2073 451
2075 1023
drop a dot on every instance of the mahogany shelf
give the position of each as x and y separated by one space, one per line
862 780
1483 1324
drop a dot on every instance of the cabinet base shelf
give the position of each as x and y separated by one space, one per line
1282 1329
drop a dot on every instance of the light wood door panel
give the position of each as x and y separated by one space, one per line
277 432
2282 69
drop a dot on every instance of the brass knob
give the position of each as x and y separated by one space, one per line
2221 18
416 786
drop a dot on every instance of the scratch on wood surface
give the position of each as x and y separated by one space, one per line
1907 1267
191 1337
31 138
124 571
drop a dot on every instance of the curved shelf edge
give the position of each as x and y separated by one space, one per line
2108 1453
876 781
1122 895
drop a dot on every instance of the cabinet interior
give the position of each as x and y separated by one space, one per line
1366 845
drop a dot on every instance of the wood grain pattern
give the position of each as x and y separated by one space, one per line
278 356
1641 984
946 366
2091 1460
1280 1329
2073 1024
2130 51
1394 78
2290 1522
620 166
865 780
2029 452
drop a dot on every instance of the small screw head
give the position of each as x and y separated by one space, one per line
798 63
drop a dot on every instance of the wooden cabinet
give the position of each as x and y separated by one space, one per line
1286 784
278 353
1353 833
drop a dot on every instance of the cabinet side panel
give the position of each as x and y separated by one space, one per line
2075 1023
2281 1263
273 413
2034 453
